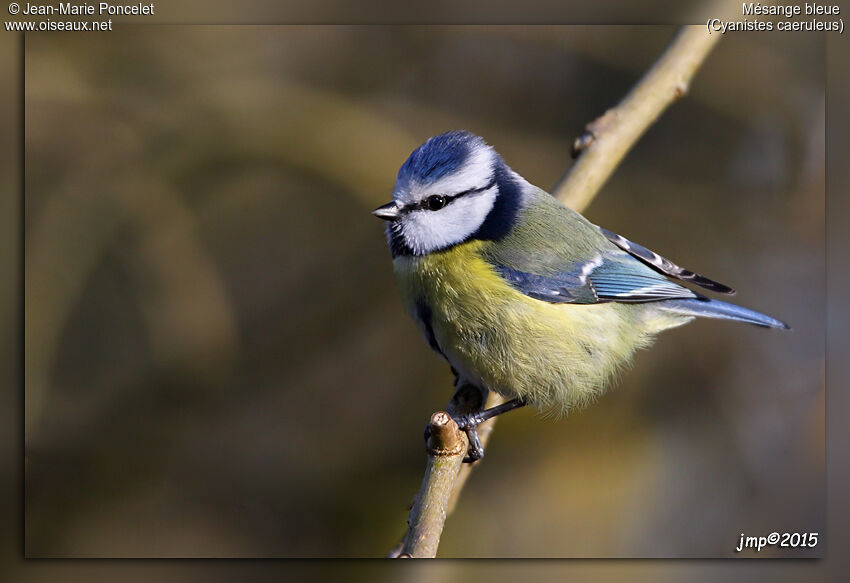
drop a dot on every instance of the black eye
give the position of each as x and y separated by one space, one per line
436 202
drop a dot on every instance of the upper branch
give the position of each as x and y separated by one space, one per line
609 137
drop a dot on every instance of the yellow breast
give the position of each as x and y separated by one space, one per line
555 356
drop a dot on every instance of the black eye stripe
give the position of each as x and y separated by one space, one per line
449 198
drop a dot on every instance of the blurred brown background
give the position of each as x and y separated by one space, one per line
216 359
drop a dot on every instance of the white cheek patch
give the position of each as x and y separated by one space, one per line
425 231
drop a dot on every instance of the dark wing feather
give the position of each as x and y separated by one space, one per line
560 288
610 277
663 265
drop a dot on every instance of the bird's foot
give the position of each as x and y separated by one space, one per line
469 424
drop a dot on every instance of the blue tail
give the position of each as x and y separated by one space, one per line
706 308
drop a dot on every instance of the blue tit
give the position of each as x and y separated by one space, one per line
520 294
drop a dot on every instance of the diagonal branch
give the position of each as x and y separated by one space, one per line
599 150
608 138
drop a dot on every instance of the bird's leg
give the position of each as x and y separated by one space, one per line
467 409
469 424
475 419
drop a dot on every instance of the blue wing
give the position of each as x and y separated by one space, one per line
612 276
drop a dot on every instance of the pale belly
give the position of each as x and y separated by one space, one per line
555 356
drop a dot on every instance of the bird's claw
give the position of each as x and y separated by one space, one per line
475 451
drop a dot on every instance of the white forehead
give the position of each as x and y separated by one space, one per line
476 172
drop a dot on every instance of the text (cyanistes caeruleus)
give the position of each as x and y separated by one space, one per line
520 294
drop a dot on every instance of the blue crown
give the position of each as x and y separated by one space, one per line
438 157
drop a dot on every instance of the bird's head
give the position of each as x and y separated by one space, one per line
452 188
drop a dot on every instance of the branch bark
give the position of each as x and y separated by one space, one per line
446 449
599 150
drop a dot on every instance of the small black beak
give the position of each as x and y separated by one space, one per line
388 212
